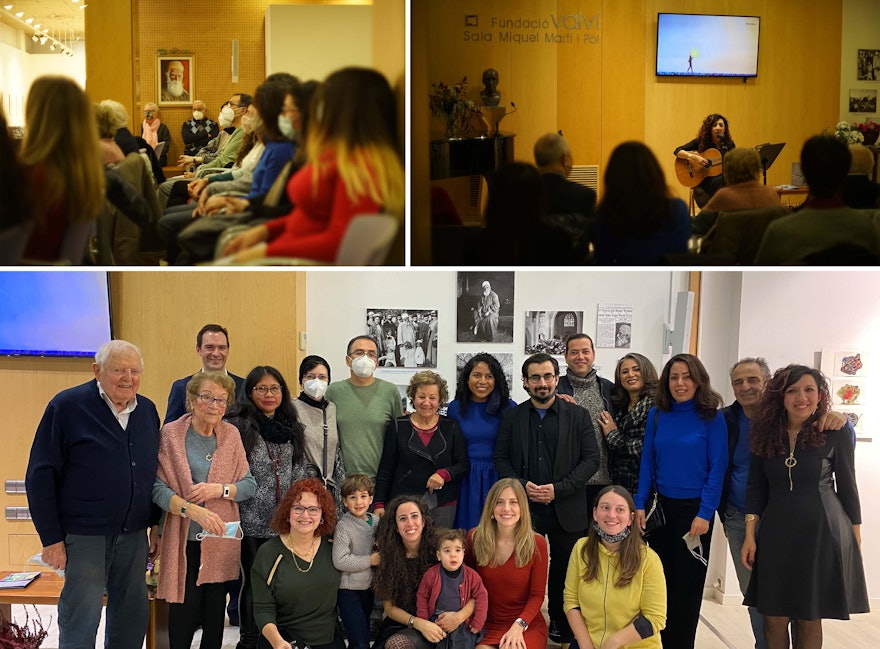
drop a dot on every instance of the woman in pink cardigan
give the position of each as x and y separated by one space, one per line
203 475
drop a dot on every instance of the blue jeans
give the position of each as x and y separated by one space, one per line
95 563
735 524
355 607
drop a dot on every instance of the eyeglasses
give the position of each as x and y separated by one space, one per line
299 510
360 353
267 389
537 378
207 399
320 377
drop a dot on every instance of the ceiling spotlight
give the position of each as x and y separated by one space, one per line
38 25
7 7
52 47
43 39
19 14
35 38
29 21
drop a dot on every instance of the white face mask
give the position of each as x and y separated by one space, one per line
315 388
285 125
363 366
198 115
227 115
247 124
695 547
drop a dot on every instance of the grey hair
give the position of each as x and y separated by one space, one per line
549 149
760 361
112 347
117 110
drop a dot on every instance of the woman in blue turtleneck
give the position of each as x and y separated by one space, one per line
685 457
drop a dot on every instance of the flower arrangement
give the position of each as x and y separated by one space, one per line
844 131
450 103
869 131
29 635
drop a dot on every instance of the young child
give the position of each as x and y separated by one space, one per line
353 556
447 587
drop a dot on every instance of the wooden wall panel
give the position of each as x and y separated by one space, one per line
161 313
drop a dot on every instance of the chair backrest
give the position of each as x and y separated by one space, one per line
843 254
73 245
12 243
367 240
738 234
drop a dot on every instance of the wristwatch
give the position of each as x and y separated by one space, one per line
522 623
226 492
751 517
183 509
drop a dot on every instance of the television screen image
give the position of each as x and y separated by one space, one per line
699 45
63 313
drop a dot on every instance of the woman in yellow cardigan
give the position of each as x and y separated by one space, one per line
615 592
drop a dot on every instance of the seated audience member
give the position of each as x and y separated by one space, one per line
743 189
353 168
119 116
568 204
197 131
105 117
858 190
639 221
825 225
13 206
62 162
154 131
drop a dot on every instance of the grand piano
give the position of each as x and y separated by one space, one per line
471 156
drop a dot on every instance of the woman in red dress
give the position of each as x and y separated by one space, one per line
512 561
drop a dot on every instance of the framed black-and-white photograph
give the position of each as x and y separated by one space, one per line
546 331
175 80
404 337
485 307
869 65
504 359
862 101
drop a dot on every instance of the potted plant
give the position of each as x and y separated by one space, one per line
450 103
29 635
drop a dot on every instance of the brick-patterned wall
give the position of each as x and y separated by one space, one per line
206 29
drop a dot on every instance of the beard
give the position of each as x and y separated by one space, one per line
174 88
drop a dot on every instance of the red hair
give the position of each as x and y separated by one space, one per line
281 520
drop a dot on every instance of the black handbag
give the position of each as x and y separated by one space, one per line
655 518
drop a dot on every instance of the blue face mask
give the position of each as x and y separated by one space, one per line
233 531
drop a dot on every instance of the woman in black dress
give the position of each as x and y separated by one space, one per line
806 563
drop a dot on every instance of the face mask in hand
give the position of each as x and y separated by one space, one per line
695 547
198 115
227 115
363 366
233 531
285 125
315 388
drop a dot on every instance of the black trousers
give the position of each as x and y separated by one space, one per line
560 544
287 634
685 575
205 604
247 626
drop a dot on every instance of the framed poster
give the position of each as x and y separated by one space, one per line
175 75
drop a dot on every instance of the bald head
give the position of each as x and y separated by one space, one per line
552 154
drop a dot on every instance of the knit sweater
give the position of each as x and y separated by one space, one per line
352 546
471 588
362 414
605 607
588 394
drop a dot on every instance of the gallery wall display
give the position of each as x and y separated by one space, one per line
175 78
847 370
614 326
484 307
546 331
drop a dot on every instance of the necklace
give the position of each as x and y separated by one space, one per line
289 545
791 462
208 454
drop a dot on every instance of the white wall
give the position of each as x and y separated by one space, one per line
337 302
861 19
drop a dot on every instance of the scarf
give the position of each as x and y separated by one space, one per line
587 394
220 557
149 132
275 430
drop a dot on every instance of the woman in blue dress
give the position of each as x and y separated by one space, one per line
481 397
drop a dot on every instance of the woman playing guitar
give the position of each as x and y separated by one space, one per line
698 163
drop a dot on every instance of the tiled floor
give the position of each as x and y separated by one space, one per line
721 627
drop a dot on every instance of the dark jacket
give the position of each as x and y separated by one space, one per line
86 475
731 415
407 464
177 396
606 387
577 458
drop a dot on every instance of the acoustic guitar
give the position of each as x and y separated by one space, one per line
690 174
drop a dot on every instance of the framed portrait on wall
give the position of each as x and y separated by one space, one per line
868 65
175 80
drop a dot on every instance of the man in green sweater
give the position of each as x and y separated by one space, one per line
364 406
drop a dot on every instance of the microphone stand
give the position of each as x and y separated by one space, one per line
498 123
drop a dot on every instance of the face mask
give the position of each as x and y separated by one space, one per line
227 115
233 531
247 124
611 538
695 547
285 125
198 115
315 388
363 366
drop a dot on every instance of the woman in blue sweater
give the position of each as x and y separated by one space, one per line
685 459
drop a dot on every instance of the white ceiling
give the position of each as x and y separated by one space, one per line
66 16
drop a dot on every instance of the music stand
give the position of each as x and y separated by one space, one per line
769 153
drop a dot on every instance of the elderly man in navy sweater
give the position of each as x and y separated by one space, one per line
89 485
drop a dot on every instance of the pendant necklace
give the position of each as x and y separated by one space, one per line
208 455
791 462
313 552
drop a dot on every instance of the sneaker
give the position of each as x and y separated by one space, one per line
553 631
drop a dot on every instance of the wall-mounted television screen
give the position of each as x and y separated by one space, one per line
54 313
700 45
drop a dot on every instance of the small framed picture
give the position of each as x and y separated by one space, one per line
862 101
175 80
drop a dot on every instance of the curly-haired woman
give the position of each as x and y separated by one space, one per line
806 563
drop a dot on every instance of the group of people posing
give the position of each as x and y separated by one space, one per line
459 523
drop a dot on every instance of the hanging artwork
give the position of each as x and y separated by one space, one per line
404 337
175 77
485 307
847 371
546 331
